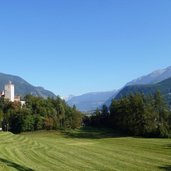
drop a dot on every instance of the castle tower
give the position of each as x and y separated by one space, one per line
9 91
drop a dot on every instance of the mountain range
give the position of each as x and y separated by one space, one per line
146 84
90 101
152 78
157 80
149 89
22 87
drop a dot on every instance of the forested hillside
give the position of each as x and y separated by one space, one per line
22 87
164 87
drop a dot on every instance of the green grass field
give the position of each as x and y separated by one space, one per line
82 150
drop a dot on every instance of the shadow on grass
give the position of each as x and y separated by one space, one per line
93 133
166 168
169 146
15 165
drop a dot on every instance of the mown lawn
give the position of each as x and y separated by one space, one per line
82 150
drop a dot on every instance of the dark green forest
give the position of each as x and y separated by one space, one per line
37 114
136 115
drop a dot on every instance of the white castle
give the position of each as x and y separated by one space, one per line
9 93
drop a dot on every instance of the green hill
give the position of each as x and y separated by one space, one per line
164 87
22 87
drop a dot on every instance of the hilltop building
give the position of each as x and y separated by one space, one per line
9 93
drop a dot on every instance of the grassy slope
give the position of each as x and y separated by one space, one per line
50 151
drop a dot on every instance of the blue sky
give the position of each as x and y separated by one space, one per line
79 46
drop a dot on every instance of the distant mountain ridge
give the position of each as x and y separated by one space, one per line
22 87
90 101
152 78
149 89
67 98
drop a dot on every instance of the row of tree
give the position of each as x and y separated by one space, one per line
136 114
38 114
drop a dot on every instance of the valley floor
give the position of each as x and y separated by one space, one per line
82 151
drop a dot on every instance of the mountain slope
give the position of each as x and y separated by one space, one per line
164 87
109 100
152 78
22 87
90 101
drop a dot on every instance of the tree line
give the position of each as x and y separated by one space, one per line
136 115
37 114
